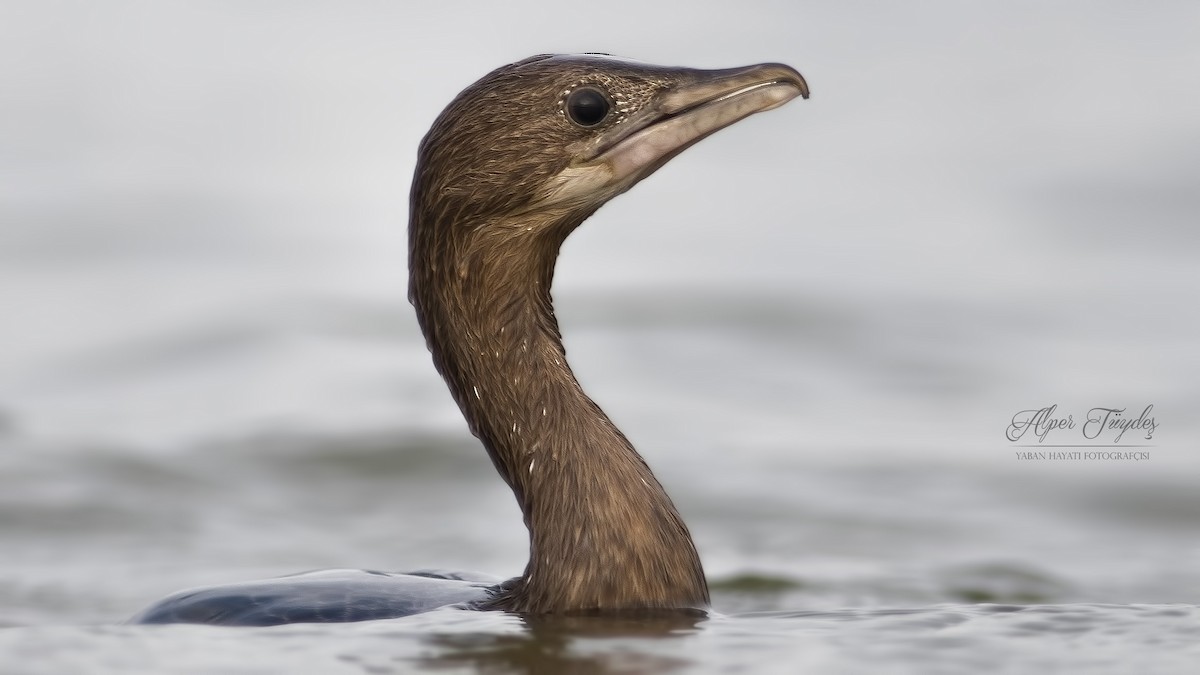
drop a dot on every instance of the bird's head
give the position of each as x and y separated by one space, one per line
540 144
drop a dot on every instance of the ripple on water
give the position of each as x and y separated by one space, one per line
1093 639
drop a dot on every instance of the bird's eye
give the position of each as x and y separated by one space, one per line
587 107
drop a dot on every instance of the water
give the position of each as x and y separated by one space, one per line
816 326
1086 638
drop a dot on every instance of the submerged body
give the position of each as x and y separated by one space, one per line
512 166
321 597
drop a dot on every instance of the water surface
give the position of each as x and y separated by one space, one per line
816 326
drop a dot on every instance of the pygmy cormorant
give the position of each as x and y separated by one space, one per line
515 163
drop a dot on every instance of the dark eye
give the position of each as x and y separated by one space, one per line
587 107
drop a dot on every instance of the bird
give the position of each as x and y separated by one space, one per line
514 164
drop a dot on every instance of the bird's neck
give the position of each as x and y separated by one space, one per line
603 532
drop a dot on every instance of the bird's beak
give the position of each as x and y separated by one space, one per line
704 102
683 115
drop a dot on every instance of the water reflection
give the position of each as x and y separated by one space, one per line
571 644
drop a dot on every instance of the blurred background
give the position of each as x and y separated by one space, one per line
816 325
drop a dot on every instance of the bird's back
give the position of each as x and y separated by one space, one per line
320 597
